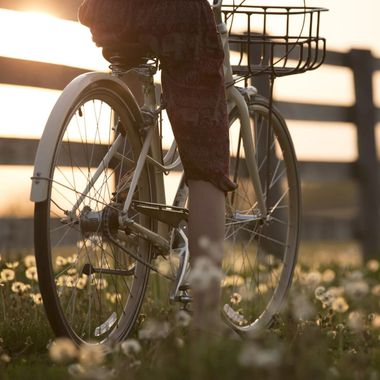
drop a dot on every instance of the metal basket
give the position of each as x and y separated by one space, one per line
275 40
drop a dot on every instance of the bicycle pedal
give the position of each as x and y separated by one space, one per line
184 287
184 298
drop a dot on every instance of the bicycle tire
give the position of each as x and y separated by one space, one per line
260 251
82 300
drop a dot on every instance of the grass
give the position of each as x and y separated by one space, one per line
329 329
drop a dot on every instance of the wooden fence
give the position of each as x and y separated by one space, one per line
364 173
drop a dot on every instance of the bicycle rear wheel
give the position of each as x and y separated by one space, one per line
92 288
261 250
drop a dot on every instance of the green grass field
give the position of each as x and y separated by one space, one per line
329 329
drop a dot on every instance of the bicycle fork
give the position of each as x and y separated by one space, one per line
238 99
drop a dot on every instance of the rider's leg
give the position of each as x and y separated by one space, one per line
206 222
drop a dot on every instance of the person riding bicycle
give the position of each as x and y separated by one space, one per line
183 35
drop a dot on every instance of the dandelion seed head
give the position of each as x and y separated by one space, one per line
91 355
376 290
254 356
232 280
182 318
179 342
100 283
72 271
164 266
332 334
302 308
37 298
373 265
328 276
60 261
375 322
340 305
7 275
18 287
5 358
63 350
355 321
235 298
76 370
12 264
153 330
130 347
313 279
356 289
81 282
319 292
29 261
31 273
355 275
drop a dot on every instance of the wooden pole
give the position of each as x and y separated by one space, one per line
364 116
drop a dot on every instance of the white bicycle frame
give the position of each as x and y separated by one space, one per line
151 148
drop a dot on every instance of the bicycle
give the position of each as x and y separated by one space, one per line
101 219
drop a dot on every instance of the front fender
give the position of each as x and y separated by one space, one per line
57 119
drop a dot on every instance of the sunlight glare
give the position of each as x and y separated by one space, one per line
41 37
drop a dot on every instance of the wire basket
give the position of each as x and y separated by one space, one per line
275 40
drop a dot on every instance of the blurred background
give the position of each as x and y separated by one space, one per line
333 114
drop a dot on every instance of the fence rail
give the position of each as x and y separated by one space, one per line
364 173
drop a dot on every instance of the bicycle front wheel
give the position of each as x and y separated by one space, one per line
261 250
92 288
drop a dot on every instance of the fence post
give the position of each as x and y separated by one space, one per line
364 117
